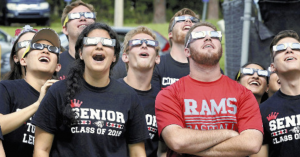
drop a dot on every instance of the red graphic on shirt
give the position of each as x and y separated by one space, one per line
62 77
76 103
272 116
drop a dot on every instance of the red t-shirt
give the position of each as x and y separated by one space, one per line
221 104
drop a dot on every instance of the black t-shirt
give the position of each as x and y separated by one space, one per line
119 70
168 71
66 60
147 99
1 136
108 119
281 121
16 95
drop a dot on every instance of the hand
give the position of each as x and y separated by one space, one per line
44 89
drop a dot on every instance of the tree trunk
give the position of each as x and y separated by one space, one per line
213 9
159 11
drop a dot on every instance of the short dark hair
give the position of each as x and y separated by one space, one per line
281 35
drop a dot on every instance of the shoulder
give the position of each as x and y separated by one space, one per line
12 83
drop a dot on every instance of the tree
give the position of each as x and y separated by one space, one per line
159 11
213 9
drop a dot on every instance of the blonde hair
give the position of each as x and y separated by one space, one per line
138 30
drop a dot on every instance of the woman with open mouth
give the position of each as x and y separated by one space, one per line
90 114
255 78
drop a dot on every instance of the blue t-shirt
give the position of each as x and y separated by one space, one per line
281 121
107 120
16 95
147 99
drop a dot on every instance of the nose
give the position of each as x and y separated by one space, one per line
255 75
82 18
144 45
289 50
99 46
188 20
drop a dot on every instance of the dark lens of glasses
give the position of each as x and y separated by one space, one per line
39 46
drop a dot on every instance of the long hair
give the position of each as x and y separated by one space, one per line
73 84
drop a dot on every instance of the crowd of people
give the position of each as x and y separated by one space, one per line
180 104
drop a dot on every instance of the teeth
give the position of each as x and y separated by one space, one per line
290 58
44 58
255 83
186 27
208 46
82 26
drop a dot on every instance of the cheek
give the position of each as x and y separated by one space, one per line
20 53
243 80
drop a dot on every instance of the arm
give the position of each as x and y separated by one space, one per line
43 142
2 153
264 151
189 141
137 150
10 122
247 143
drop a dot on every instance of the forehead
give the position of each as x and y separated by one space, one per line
203 28
142 36
287 40
254 66
80 8
98 33
44 42
26 36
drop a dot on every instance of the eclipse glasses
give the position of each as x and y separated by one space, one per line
202 34
182 19
281 47
72 16
138 42
92 41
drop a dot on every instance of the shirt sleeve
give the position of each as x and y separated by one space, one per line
5 100
46 116
248 115
168 109
137 128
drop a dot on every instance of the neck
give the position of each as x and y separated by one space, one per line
290 83
37 80
72 47
204 73
140 80
177 53
258 98
96 79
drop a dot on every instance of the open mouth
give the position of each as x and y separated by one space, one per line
208 46
278 81
98 57
82 26
289 59
186 27
254 83
144 54
44 59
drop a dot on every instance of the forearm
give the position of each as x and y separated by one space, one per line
43 143
2 153
247 143
189 141
264 151
10 122
137 150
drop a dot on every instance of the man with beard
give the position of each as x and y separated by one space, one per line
174 65
207 113
75 17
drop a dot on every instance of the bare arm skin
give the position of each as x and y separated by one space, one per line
189 141
10 122
264 151
247 143
42 143
137 150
